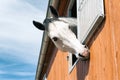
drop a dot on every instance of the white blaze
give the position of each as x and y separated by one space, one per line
67 40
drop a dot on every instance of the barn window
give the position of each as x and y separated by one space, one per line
89 14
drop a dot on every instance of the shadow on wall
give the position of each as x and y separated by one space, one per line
82 69
52 59
83 66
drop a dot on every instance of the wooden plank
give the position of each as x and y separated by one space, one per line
104 61
115 18
59 67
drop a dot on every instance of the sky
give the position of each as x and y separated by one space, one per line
20 41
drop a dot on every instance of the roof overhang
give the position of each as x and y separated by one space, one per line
61 6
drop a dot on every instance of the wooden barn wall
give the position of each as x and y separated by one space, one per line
104 61
58 68
105 55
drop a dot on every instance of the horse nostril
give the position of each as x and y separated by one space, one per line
55 38
85 46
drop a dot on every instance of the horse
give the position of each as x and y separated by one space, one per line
59 31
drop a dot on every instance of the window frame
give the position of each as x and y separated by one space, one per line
89 33
44 77
92 20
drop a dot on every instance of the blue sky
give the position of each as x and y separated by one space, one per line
20 41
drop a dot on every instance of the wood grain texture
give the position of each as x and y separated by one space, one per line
58 70
104 46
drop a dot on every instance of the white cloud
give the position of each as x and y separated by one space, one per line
17 31
19 39
16 21
17 73
23 73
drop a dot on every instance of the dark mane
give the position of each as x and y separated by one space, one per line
48 20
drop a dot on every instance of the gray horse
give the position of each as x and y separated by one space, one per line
58 29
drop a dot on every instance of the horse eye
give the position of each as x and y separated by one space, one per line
55 38
69 27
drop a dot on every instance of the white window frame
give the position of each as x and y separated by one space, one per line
92 28
44 77
90 14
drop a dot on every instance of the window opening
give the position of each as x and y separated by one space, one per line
89 15
72 13
74 10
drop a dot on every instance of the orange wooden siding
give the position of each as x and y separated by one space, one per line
104 61
58 70
105 55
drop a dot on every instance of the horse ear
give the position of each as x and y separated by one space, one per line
38 25
54 12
